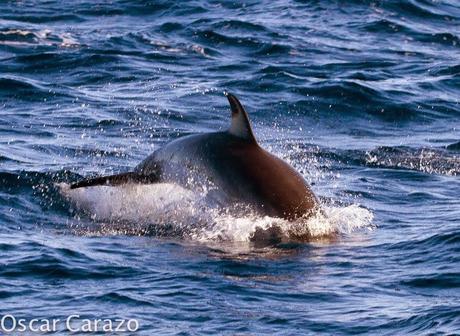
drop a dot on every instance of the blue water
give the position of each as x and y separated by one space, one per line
362 97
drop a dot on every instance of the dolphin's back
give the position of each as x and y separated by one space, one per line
240 169
270 185
231 162
186 160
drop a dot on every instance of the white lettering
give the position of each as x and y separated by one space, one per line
96 324
68 325
46 326
108 327
12 320
73 323
55 322
136 325
31 325
22 325
86 327
120 325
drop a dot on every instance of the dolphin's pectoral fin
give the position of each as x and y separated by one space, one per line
114 180
241 126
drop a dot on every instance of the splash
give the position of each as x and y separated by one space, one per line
167 209
426 160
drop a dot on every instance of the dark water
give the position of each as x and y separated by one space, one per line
361 96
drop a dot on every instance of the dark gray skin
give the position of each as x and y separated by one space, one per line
230 162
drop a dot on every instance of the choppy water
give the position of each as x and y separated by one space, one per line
362 97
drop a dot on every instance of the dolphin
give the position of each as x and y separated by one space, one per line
231 163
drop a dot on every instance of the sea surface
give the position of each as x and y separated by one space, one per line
362 97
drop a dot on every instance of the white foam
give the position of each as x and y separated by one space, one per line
169 207
45 37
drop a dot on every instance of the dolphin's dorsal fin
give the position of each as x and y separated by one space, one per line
241 126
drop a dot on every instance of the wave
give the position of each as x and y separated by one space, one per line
42 18
49 61
444 280
429 160
239 25
26 89
421 9
417 32
55 263
454 146
135 43
169 210
440 319
27 38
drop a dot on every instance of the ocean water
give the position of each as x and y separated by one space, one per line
362 97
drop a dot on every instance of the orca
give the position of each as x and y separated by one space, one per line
231 164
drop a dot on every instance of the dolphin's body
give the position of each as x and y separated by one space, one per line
232 163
